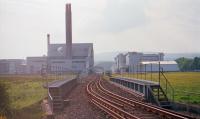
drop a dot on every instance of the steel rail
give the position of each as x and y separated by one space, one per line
107 110
118 99
108 107
154 109
108 100
189 117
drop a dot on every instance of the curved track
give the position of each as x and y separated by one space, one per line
119 107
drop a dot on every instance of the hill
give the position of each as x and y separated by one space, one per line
105 64
109 56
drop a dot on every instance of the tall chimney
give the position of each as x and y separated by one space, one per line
68 31
48 43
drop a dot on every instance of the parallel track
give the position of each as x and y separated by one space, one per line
120 107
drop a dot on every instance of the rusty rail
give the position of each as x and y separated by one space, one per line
107 107
154 109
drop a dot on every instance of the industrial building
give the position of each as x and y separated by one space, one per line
34 64
66 57
77 57
154 66
140 62
12 66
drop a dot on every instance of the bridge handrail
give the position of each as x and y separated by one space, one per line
167 83
50 100
49 95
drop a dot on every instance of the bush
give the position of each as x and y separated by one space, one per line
187 64
4 100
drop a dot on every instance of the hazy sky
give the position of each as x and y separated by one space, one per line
112 25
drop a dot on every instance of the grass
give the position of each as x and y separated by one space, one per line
185 84
26 93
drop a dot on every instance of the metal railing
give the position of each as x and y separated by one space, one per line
50 101
166 85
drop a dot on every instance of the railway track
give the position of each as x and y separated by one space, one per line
119 107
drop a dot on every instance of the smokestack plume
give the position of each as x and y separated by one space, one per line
68 31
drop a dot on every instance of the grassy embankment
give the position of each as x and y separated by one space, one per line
185 84
26 93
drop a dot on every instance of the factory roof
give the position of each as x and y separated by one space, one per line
157 62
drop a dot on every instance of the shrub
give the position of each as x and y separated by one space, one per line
4 100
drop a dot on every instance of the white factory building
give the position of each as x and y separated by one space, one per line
141 62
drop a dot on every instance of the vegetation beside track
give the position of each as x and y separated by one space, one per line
25 94
185 84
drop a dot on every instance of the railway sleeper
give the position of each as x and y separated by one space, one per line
109 105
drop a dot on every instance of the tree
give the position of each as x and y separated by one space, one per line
184 63
196 63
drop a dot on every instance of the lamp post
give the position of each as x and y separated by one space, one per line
145 71
141 70
137 70
151 71
159 72
159 79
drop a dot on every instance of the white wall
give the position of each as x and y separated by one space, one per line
166 67
120 61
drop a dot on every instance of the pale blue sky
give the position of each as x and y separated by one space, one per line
112 25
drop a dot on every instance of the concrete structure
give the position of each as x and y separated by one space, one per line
134 59
78 57
120 62
147 90
68 31
57 92
82 56
35 64
12 66
135 62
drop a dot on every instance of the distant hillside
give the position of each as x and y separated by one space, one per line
109 56
173 56
106 65
106 56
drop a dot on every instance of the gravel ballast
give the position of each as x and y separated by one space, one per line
79 106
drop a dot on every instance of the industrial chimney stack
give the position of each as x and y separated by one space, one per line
48 43
68 31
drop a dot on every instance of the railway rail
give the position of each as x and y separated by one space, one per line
120 107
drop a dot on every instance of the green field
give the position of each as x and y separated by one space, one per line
185 84
26 94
